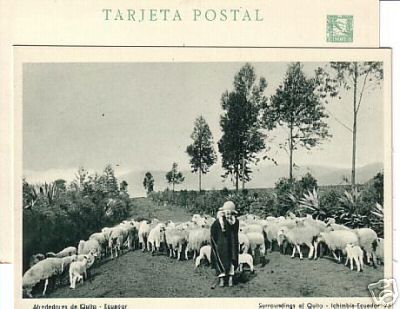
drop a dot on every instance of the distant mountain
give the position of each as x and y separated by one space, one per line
263 177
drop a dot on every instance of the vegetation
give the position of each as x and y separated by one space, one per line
148 182
174 177
201 151
300 197
297 106
57 215
355 76
241 125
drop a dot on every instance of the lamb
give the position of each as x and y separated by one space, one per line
366 238
43 270
196 239
378 247
355 253
300 234
63 253
156 235
255 240
245 258
77 271
337 240
205 252
36 258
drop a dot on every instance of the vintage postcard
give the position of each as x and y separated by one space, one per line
272 23
153 177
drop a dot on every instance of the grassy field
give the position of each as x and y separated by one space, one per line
137 274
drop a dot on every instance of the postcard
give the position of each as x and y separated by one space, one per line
154 177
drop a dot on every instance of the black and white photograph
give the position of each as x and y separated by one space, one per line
205 178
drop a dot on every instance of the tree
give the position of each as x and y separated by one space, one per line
123 186
356 76
201 151
242 138
174 177
108 182
148 182
297 106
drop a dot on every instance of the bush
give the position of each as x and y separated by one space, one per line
55 216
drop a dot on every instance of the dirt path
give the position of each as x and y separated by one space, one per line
137 274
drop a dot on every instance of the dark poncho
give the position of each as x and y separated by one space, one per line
225 246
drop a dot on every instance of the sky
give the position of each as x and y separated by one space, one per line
139 116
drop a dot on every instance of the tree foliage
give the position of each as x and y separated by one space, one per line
174 177
297 106
345 76
201 151
241 125
148 182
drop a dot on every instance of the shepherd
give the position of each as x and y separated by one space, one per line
225 243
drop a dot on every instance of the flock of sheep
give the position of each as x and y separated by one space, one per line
192 238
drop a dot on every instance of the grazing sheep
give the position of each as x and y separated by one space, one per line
36 258
43 270
196 239
245 258
252 228
144 230
366 238
156 236
77 271
85 247
378 247
337 240
175 240
117 239
63 253
355 253
272 229
332 226
256 240
132 234
205 252
301 234
244 243
102 240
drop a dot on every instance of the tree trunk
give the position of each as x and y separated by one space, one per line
237 178
199 180
353 161
291 152
243 180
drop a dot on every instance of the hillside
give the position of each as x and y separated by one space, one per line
263 177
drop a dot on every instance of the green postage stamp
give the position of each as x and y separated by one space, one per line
339 28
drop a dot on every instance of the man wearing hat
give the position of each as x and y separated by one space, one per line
225 243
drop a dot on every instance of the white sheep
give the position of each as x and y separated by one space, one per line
205 253
43 270
244 243
379 246
34 259
175 240
332 226
156 236
117 239
144 230
301 234
256 240
196 239
272 229
63 253
355 253
77 271
337 240
85 247
245 258
366 238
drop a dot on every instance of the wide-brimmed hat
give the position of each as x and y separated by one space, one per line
228 205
